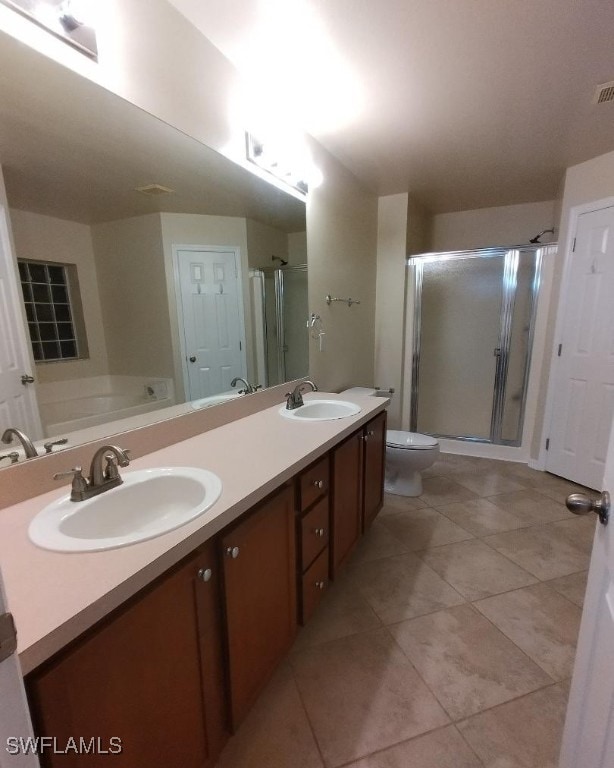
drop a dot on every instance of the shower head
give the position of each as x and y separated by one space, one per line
543 232
278 258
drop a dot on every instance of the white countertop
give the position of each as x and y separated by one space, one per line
54 597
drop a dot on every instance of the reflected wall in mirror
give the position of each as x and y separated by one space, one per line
145 258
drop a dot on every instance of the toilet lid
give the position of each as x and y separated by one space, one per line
409 440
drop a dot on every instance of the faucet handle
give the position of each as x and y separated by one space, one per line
49 446
13 456
79 483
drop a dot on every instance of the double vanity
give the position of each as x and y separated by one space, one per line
166 643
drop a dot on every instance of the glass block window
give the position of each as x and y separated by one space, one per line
47 296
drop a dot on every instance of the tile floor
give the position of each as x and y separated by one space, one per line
447 642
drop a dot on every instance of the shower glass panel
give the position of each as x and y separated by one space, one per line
285 318
473 332
461 306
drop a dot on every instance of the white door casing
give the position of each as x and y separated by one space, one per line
15 720
588 738
211 318
18 405
582 392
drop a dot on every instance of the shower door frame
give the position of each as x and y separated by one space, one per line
511 258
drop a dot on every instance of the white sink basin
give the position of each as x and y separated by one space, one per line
148 503
321 410
207 402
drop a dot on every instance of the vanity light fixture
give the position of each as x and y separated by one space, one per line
264 156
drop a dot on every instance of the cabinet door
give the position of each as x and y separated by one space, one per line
374 462
346 506
137 677
260 588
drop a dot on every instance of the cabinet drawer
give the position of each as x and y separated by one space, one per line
314 532
314 483
315 584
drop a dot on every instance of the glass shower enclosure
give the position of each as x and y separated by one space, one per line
279 297
474 318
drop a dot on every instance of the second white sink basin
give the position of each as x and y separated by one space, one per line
321 410
148 503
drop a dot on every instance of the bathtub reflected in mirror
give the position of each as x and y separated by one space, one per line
137 247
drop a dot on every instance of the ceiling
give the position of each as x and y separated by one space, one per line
463 103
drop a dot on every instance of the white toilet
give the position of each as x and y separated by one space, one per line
407 455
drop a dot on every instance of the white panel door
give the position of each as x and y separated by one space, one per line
18 406
588 738
584 391
15 721
212 320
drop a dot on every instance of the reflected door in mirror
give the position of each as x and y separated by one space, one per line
213 329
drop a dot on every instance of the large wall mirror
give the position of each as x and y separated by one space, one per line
154 271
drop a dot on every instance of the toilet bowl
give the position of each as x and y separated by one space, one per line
408 454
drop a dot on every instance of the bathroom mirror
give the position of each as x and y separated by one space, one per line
132 238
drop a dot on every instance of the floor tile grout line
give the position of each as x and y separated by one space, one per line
306 713
408 741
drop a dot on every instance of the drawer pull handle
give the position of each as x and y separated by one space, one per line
319 484
319 532
320 584
205 574
232 552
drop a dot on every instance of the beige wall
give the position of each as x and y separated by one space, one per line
191 229
490 227
392 227
263 242
419 223
132 288
584 183
66 242
297 247
342 243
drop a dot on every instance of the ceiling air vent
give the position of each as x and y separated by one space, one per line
154 190
604 93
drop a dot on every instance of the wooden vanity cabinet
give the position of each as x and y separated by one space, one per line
346 501
259 565
357 481
151 674
374 462
313 533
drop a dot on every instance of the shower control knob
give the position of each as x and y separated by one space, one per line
581 504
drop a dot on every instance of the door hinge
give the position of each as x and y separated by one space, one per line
8 636
573 247
560 349
547 443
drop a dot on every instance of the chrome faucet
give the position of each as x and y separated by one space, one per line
28 447
249 388
101 478
295 398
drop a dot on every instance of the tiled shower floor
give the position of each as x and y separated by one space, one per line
448 641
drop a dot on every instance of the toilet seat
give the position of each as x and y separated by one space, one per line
409 441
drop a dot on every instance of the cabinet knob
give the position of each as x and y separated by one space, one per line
319 532
365 438
319 484
370 433
205 574
320 584
232 552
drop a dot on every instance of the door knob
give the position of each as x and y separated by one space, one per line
581 504
193 359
